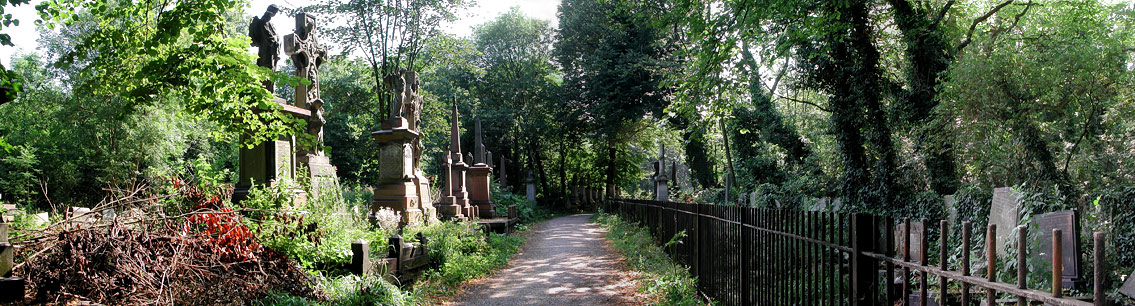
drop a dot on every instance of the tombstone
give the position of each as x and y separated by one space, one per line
1128 288
81 215
9 214
7 253
951 211
402 186
916 229
530 187
455 198
753 197
479 177
661 192
1004 213
1068 222
360 257
821 204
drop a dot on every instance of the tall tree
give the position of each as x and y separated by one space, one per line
389 34
610 56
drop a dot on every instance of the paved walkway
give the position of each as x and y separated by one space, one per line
565 262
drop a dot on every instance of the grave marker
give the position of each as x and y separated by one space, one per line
916 229
1068 222
1005 213
951 211
1128 288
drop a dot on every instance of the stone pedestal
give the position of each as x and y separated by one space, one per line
455 203
319 173
264 163
479 191
396 188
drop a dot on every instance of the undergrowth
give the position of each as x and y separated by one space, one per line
663 281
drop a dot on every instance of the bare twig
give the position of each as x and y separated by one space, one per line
979 20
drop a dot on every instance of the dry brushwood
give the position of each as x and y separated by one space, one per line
122 266
158 259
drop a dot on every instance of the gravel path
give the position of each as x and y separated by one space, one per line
565 261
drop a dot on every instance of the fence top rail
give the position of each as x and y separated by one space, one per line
836 246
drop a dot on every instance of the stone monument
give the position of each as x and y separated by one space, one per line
263 36
661 191
402 185
1004 213
307 55
530 187
479 178
455 199
1068 222
270 161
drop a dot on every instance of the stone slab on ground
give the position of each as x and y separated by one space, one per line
1128 288
566 261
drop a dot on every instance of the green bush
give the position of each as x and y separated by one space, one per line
526 211
664 281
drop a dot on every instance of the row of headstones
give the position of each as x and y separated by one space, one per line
586 196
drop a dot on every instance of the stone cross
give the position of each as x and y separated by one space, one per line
307 55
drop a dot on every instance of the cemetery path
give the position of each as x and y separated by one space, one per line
566 261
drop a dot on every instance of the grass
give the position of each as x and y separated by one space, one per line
664 282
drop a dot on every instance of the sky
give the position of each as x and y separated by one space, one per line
24 36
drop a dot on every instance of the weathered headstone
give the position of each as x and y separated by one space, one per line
81 215
9 214
1005 214
915 235
41 218
479 177
530 187
1068 222
7 255
951 211
661 191
1128 288
455 199
360 257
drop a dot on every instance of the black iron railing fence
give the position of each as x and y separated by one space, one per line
758 256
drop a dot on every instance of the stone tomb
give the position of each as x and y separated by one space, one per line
271 161
479 177
1005 213
401 185
916 229
1068 222
1128 288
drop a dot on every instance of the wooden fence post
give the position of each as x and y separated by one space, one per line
991 264
863 269
1098 279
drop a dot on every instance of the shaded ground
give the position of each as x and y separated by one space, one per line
566 261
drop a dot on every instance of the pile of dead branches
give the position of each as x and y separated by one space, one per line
150 257
117 265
